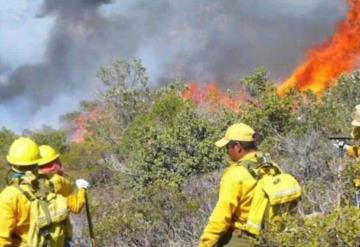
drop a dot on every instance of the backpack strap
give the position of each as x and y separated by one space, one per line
27 194
250 167
42 201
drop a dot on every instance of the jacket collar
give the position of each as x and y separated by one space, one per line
249 156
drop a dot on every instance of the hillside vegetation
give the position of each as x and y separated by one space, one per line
151 158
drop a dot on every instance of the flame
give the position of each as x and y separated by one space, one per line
329 60
212 97
81 126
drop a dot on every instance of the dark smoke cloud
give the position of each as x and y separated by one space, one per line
71 9
71 55
207 40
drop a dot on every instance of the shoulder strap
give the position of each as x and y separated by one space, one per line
31 197
27 194
250 167
257 169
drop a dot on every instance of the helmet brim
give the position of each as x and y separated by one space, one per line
46 160
222 142
15 162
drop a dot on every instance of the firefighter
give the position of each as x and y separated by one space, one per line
15 200
353 150
51 166
22 157
227 223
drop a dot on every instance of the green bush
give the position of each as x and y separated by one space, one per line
156 169
170 143
339 228
6 138
55 138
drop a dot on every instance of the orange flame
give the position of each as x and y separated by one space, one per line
81 126
328 61
211 97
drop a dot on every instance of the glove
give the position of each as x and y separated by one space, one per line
340 145
82 183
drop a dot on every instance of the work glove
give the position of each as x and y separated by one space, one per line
340 145
82 183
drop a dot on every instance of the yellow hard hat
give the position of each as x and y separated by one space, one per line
237 132
23 152
47 154
356 116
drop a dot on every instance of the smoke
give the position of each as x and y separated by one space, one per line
3 68
205 40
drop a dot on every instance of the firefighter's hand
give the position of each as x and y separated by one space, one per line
82 183
340 144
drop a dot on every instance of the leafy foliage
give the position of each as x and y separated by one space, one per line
339 228
48 136
170 143
127 93
6 138
151 158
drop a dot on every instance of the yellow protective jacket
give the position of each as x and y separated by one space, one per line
14 216
75 199
353 151
15 210
232 209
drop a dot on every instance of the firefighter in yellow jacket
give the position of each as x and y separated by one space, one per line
354 150
227 223
23 158
51 166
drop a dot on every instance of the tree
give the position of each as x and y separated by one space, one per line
6 138
49 136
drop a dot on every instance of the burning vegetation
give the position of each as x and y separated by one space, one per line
326 62
211 97
81 125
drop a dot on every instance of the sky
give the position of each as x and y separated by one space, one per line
50 50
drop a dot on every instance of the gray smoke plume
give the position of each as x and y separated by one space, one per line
3 68
204 40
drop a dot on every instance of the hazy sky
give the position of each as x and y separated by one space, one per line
50 49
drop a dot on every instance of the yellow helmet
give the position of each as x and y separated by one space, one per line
237 132
356 116
47 154
23 152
